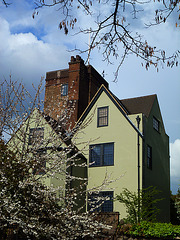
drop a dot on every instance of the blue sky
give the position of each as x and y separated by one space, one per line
31 47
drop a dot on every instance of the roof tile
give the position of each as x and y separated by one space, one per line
139 104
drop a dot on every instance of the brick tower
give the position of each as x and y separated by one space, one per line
69 91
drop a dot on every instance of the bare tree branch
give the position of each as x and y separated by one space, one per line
111 32
6 3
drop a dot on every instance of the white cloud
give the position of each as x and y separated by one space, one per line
175 158
26 57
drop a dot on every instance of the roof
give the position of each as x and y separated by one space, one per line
120 103
140 104
56 126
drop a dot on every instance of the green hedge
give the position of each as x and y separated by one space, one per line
149 229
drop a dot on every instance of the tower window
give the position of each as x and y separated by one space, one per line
64 89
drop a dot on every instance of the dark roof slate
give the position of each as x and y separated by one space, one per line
140 104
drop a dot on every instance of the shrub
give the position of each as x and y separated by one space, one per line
149 229
140 206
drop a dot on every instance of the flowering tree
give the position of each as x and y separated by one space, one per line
43 175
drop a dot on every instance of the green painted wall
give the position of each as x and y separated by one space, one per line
58 180
20 142
159 176
124 172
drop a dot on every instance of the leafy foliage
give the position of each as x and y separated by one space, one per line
140 206
149 229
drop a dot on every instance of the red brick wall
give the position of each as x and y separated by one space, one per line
83 82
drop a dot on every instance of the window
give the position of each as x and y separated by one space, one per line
64 89
149 157
36 135
100 202
155 124
102 117
40 166
101 154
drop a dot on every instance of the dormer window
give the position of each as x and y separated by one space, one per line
64 89
102 117
156 124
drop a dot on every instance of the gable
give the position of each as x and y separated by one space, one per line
36 120
156 113
104 97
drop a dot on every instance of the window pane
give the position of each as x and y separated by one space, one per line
103 121
100 202
103 112
64 90
95 155
107 205
149 152
149 157
102 116
102 154
94 202
108 154
155 124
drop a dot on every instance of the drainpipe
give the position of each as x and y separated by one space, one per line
138 119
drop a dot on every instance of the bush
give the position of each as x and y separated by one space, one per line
149 229
140 206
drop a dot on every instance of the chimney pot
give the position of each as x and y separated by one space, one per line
78 58
73 59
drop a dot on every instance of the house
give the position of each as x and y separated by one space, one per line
49 154
126 138
123 142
